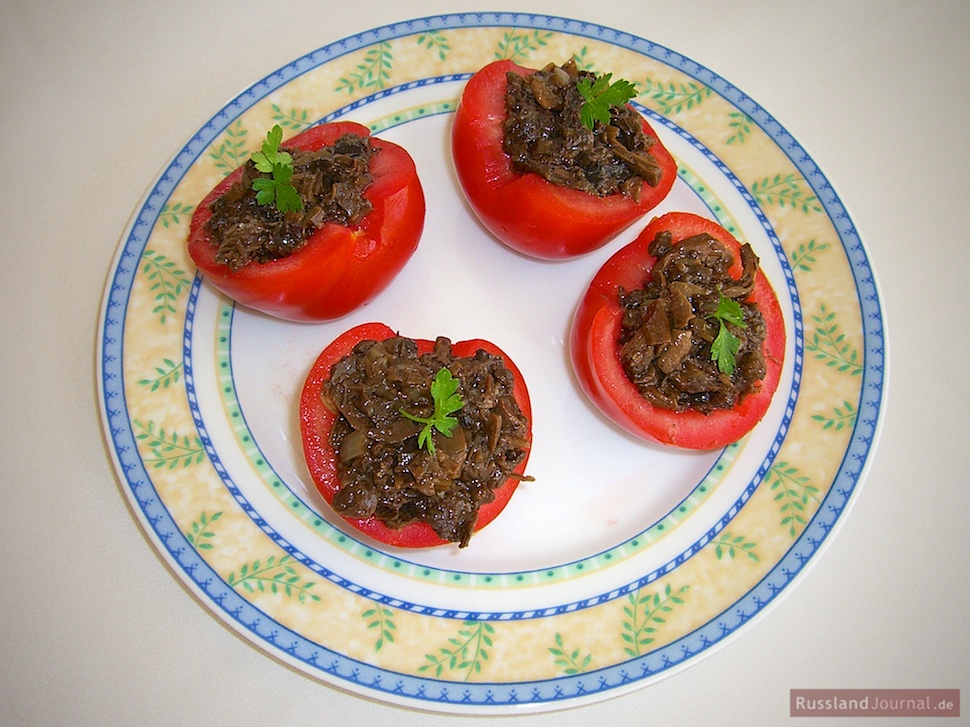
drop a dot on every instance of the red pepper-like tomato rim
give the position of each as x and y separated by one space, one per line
316 422
595 354
340 268
524 211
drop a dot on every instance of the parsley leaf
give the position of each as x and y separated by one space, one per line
600 95
271 154
277 189
726 345
447 400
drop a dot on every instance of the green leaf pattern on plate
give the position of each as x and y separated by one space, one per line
173 214
788 190
199 533
168 282
381 620
169 449
572 662
582 61
729 545
436 41
794 493
167 374
829 344
292 119
842 416
804 257
275 575
373 74
465 653
740 125
231 151
646 615
672 98
517 45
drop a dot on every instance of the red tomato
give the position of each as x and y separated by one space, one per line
316 421
525 211
340 268
595 354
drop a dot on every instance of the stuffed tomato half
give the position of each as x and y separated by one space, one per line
550 166
415 443
312 228
679 338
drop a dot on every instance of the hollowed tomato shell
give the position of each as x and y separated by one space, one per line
524 211
594 350
316 422
340 268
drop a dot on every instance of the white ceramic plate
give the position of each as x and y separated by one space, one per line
622 562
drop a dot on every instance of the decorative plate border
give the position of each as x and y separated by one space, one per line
182 549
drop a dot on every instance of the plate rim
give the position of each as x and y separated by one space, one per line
837 502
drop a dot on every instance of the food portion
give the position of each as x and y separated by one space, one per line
689 339
555 162
415 443
576 130
680 338
312 228
282 199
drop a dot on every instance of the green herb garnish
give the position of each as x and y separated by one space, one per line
600 95
447 400
725 346
280 164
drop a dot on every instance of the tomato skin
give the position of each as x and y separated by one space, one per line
595 355
340 268
524 211
316 422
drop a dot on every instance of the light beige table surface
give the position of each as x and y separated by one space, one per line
96 97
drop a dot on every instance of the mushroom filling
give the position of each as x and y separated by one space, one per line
330 181
383 470
544 134
669 326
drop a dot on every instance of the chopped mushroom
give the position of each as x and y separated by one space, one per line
544 134
330 181
668 327
384 472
